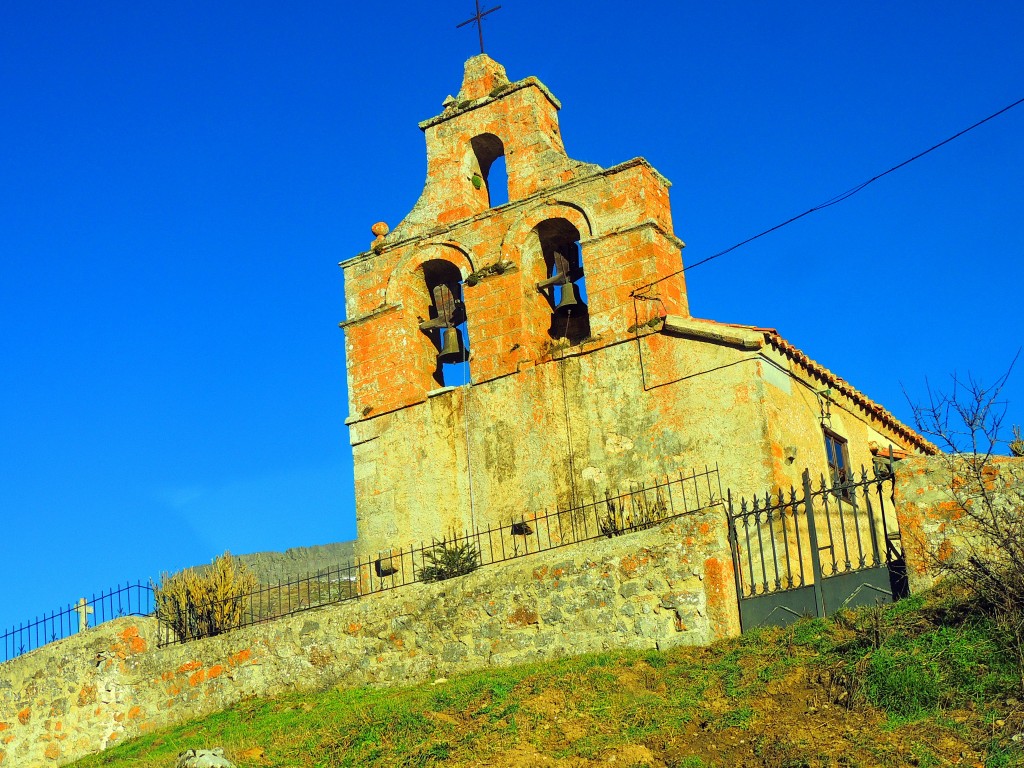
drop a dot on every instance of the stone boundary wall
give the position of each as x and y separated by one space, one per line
932 524
666 586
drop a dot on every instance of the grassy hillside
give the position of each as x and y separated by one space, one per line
922 683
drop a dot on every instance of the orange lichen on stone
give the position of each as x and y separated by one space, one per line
25 715
189 666
630 564
52 751
239 658
945 551
715 580
540 573
196 678
4 727
215 671
135 713
523 617
129 632
354 627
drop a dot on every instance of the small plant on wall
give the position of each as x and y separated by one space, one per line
206 602
446 560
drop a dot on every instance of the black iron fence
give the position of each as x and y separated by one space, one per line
129 600
817 549
642 506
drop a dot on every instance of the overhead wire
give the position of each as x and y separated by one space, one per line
832 201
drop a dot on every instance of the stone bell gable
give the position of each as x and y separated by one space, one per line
613 226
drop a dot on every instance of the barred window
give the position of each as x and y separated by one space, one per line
838 457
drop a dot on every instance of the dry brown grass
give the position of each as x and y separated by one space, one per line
205 603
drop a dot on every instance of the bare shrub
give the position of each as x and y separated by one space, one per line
987 490
203 603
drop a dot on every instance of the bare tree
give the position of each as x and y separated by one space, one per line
987 489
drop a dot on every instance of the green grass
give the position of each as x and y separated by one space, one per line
907 684
910 661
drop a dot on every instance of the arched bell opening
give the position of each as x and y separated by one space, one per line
564 289
445 325
490 175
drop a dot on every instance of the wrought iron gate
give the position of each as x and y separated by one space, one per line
834 547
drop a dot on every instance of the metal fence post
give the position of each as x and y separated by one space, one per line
734 545
812 536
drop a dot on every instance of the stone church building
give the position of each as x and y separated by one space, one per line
582 369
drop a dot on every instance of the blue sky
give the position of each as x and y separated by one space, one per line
178 183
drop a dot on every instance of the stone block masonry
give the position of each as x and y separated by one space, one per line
933 527
657 588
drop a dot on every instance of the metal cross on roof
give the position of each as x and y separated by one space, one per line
478 20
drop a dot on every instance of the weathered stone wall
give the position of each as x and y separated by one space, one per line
536 441
574 428
657 588
930 492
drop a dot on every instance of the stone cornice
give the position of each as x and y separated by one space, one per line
503 91
381 310
521 203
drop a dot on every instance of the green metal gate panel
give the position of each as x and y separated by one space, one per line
777 609
852 590
778 544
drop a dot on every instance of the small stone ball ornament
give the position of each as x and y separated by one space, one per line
380 229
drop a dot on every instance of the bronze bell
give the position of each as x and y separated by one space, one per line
451 350
568 298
